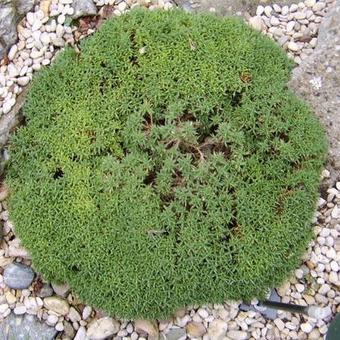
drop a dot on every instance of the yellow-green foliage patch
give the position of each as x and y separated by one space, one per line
166 164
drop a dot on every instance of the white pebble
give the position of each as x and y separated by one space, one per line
203 313
45 38
277 8
259 10
306 327
299 273
331 253
274 21
310 3
23 81
52 319
300 15
334 266
324 289
60 30
333 278
61 19
7 105
293 46
59 327
122 6
12 52
30 18
279 324
268 11
12 70
19 310
324 232
293 8
36 25
300 287
319 6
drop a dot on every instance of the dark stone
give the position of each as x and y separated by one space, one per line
18 276
25 327
317 80
175 334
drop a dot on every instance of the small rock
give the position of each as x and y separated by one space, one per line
203 313
145 326
175 334
293 46
3 308
310 3
25 327
299 274
290 26
61 19
12 71
20 310
333 278
10 298
268 11
57 305
86 312
259 10
58 42
45 291
195 329
306 327
102 328
18 276
36 25
237 335
52 320
282 40
277 8
300 287
12 52
274 21
293 8
59 327
256 23
300 15
61 289
279 324
70 332
74 315
3 193
23 81
217 329
81 334
83 8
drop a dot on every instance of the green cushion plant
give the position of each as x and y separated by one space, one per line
166 163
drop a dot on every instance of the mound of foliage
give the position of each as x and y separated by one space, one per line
166 163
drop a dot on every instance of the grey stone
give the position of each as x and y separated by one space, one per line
8 122
46 291
25 327
317 80
11 11
175 334
83 8
24 6
18 276
8 29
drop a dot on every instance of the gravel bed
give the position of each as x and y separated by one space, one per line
41 34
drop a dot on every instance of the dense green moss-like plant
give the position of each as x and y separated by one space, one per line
166 164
